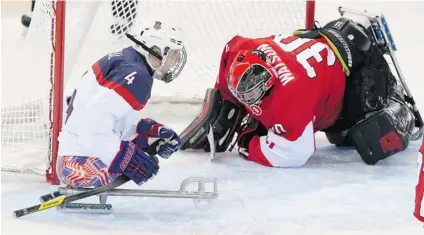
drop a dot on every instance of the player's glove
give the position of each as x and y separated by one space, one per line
134 163
155 138
249 130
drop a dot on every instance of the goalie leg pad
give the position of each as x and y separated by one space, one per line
224 117
367 90
195 135
383 134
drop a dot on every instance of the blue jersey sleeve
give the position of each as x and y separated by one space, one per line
132 83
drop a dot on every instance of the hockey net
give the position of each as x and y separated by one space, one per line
65 38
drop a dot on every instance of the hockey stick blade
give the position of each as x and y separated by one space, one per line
211 143
60 201
50 196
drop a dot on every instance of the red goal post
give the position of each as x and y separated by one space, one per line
65 36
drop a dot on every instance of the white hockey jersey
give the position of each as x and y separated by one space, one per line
104 107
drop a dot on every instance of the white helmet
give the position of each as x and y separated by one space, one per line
165 45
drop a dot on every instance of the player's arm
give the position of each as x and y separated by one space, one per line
277 147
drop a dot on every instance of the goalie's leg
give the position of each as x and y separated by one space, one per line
376 118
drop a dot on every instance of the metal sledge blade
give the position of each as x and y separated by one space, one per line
85 208
120 180
183 192
202 198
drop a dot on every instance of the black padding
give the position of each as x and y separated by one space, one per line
383 134
195 135
350 40
353 32
226 125
368 89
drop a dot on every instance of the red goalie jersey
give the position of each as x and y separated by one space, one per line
306 93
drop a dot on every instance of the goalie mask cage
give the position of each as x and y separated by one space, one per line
66 37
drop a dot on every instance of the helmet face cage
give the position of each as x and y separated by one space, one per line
251 86
166 45
172 64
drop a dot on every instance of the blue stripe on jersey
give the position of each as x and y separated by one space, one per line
127 74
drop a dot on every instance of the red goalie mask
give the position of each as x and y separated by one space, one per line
250 76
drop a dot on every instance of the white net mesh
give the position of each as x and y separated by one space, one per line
207 26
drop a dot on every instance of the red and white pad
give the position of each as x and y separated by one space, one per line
419 190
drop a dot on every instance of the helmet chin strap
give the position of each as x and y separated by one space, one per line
146 48
157 73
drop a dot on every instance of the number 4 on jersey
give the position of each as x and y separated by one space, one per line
130 78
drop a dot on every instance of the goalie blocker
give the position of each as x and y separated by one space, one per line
223 116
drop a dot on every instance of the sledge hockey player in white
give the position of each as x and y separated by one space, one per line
104 134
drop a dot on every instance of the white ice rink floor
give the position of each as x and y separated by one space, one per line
334 194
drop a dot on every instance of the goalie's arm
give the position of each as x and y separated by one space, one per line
274 150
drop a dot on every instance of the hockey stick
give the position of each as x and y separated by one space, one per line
211 143
122 179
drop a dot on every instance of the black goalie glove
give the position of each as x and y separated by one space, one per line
223 116
248 129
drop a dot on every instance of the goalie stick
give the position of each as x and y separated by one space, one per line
120 180
211 143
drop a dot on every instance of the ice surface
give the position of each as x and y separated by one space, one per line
334 194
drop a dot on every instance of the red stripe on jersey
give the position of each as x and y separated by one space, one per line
118 88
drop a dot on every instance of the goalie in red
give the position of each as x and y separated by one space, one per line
276 92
